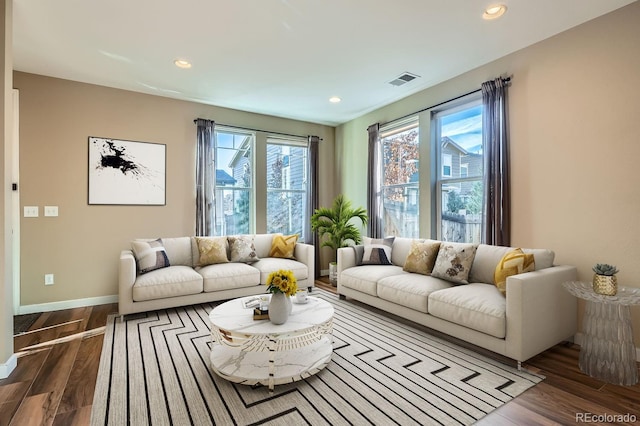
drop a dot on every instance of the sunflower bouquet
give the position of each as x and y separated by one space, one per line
282 281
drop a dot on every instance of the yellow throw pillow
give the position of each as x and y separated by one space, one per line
212 250
422 257
513 263
283 246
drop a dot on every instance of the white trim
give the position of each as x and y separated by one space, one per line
66 304
577 339
324 272
8 367
15 199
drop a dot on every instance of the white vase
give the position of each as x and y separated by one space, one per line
333 274
279 308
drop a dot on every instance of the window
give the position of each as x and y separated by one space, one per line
464 170
400 178
446 165
234 195
459 185
287 186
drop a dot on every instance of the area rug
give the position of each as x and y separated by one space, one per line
155 370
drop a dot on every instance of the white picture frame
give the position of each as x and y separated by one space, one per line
123 172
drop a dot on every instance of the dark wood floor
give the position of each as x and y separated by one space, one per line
58 365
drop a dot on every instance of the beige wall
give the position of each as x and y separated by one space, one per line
574 104
81 246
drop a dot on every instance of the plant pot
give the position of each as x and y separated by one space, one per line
279 308
333 274
605 284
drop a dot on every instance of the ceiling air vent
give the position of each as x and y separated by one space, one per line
404 78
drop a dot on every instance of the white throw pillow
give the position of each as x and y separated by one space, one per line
454 262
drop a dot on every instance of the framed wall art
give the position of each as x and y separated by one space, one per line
126 172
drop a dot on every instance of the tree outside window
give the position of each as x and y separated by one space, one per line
400 177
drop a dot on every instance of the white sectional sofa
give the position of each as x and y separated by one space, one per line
535 314
184 282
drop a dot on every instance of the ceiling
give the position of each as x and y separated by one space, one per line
280 57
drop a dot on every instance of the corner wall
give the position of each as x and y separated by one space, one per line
575 144
82 245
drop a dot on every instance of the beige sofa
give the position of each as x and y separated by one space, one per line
535 314
185 283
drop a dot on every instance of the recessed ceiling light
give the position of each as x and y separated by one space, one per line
334 99
494 11
181 63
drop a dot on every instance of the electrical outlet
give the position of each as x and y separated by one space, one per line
48 279
31 211
51 210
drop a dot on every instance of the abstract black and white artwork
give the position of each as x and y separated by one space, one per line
126 172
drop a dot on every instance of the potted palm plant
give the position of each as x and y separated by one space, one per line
334 226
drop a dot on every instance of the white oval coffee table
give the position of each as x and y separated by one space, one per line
257 352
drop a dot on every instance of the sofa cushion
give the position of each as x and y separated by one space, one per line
410 290
212 250
262 243
365 278
178 250
283 246
167 282
242 249
225 276
487 258
477 306
401 248
513 263
422 257
150 255
273 264
454 262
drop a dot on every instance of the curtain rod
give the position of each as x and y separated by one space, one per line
256 130
505 80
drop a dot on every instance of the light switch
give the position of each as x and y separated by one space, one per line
51 210
31 211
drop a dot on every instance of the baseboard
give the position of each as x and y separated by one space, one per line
66 304
577 339
8 367
324 272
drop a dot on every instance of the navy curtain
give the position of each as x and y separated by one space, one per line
205 177
375 226
495 145
311 237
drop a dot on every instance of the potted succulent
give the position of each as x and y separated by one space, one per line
605 280
334 226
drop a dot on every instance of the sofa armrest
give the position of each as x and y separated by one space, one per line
126 278
346 259
305 253
540 312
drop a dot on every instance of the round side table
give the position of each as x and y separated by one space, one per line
607 352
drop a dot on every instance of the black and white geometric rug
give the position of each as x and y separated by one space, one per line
154 370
